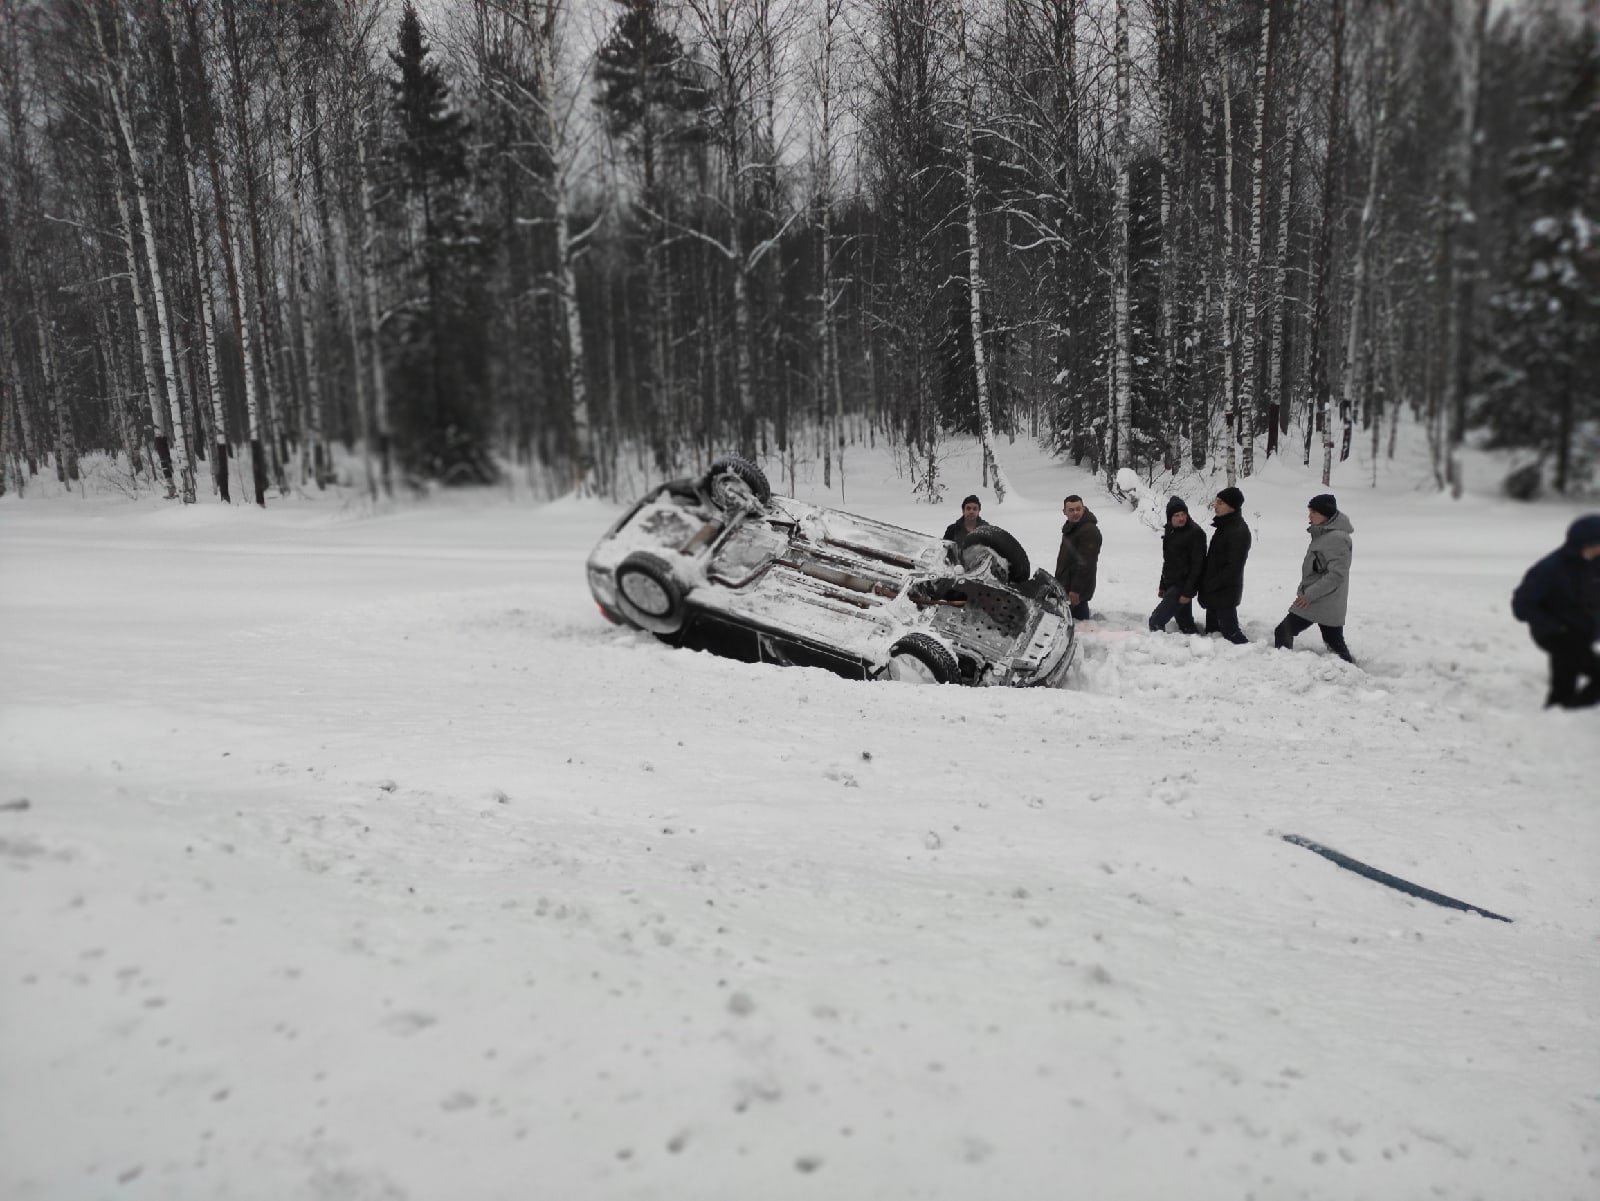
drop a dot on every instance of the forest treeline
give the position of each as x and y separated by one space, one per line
505 234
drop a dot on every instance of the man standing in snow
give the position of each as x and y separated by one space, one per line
966 523
1183 559
1079 557
1559 598
1324 591
1222 582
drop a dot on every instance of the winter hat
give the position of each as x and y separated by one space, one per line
972 500
1231 497
1583 532
1325 503
1176 505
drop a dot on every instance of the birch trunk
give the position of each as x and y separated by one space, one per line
369 291
1258 220
314 451
975 283
1358 290
152 387
268 423
1230 279
249 353
1324 265
1170 39
117 384
338 252
1278 407
1459 230
29 446
828 326
55 405
719 27
205 302
233 268
116 84
584 451
1207 322
1121 450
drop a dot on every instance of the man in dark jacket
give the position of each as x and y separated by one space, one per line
1183 559
1559 598
1222 583
966 523
1079 557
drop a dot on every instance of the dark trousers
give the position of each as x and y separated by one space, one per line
1080 611
1224 620
1570 658
1171 607
1283 636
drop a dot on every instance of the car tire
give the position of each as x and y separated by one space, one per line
742 469
921 659
1004 545
649 595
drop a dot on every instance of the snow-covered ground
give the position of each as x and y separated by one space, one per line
356 857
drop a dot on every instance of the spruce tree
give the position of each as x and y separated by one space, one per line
441 358
1544 355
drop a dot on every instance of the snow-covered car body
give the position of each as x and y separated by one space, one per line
721 564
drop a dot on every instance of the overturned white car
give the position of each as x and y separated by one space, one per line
721 564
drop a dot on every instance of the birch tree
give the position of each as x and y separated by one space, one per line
200 253
1258 221
1460 233
1278 402
825 85
114 75
975 277
1120 452
1377 140
1322 266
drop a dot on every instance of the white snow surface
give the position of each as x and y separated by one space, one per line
356 857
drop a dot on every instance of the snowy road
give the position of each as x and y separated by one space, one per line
361 860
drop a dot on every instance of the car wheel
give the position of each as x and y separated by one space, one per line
648 594
1004 545
732 478
920 659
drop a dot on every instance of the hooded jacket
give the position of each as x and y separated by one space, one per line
1222 584
1325 572
1183 552
1079 557
1560 596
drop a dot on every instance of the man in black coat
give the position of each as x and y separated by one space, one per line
1078 560
966 523
1222 583
1559 598
1183 559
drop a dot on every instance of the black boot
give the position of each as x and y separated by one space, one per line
1334 637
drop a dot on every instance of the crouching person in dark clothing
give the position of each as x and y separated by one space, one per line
1183 560
1559 598
1324 594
